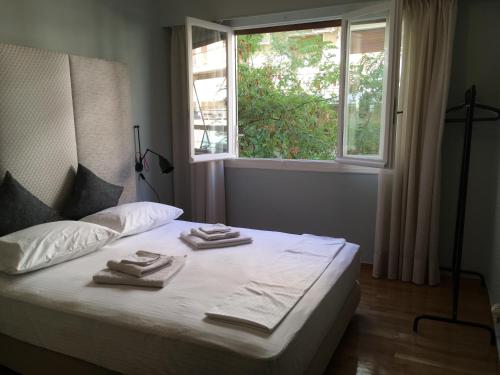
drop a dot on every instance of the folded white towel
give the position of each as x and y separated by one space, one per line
215 228
142 258
198 243
140 271
216 236
155 280
274 290
257 304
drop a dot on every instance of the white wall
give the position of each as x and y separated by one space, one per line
322 203
121 30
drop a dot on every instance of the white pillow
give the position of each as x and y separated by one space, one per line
133 218
47 244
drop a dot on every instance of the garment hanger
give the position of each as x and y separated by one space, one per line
468 95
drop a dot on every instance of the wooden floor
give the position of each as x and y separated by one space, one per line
380 339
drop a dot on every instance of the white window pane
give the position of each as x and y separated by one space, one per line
364 111
210 90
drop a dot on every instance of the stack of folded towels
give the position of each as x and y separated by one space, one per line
213 236
144 268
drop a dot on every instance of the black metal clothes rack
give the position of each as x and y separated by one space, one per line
470 106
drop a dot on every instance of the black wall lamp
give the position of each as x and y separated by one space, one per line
165 165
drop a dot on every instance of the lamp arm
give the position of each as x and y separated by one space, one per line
137 142
165 165
149 150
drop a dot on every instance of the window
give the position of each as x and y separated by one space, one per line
288 91
364 90
211 94
309 91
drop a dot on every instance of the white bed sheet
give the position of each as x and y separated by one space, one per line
138 330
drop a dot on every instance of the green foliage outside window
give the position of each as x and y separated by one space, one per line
283 114
365 105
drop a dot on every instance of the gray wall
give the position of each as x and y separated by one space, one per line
476 59
121 30
334 204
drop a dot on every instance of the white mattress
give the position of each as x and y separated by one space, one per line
137 330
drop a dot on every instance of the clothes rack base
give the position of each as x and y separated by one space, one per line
455 320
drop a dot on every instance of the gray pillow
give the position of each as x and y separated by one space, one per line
90 194
20 209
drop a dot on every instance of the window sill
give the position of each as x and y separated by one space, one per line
299 165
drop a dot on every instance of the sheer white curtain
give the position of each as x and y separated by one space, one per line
198 188
406 243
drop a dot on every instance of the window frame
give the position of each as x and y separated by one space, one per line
362 12
389 13
232 127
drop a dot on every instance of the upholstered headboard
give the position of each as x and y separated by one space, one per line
57 110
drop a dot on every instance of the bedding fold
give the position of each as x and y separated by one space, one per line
156 279
271 294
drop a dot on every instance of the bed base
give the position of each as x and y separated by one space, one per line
29 359
325 352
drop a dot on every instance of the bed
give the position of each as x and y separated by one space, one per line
65 321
